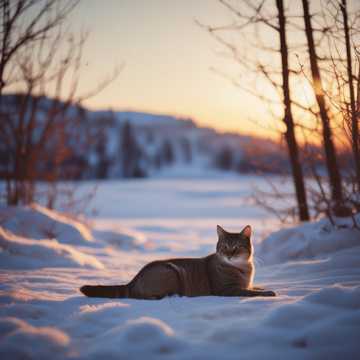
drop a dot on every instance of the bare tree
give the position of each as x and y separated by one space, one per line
354 114
16 33
43 61
294 157
255 15
328 142
328 38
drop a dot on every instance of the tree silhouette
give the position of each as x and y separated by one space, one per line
131 153
168 152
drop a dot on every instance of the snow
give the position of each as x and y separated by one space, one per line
314 268
19 252
48 340
310 240
38 222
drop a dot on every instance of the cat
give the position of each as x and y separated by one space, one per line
228 272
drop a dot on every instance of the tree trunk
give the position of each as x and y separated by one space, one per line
330 152
289 121
5 29
354 115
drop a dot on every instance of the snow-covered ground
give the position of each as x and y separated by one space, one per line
45 257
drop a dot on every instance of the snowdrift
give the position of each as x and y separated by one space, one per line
35 237
144 336
19 252
119 237
19 339
314 268
37 222
321 325
310 240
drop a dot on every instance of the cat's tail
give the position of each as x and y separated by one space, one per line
102 291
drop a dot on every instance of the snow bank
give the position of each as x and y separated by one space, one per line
144 336
20 252
324 324
120 237
337 296
309 240
38 223
20 340
314 270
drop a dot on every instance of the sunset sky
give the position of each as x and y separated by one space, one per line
167 61
171 65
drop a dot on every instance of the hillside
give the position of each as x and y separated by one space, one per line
115 144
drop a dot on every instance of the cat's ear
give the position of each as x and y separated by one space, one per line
220 231
246 231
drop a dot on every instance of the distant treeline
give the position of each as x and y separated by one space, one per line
100 145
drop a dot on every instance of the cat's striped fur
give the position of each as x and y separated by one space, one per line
228 272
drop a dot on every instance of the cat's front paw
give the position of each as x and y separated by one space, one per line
268 293
258 288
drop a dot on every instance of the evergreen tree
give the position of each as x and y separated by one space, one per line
129 151
224 159
168 152
186 147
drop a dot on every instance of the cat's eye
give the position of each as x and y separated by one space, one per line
227 247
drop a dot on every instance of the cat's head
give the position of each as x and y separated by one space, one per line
234 248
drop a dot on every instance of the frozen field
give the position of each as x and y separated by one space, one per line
45 258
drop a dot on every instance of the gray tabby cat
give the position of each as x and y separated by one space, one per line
228 272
